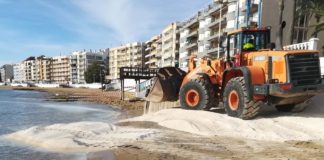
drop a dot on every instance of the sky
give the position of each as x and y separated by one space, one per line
59 27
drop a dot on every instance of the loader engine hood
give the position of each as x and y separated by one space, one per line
297 67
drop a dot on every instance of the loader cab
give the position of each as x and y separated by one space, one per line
244 41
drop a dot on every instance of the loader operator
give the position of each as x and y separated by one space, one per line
249 45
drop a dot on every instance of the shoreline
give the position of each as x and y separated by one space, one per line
129 108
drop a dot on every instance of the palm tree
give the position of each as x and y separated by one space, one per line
313 9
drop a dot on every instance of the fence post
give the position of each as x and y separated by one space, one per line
313 42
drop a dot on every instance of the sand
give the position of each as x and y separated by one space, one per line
191 135
81 136
270 126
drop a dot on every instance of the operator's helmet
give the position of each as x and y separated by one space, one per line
250 39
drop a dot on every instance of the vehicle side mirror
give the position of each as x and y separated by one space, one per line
271 46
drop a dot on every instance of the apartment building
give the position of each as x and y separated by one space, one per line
201 33
153 52
60 69
170 45
129 55
19 72
81 60
43 67
6 72
30 69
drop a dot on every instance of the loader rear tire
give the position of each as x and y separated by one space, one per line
285 108
236 102
197 94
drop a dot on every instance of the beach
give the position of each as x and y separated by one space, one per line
181 134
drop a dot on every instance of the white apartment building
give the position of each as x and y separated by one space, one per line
170 45
200 34
60 69
129 55
153 52
19 72
81 60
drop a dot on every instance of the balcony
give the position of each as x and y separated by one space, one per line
167 37
149 55
214 51
192 45
216 22
253 8
167 63
193 34
167 46
167 55
213 37
191 22
213 8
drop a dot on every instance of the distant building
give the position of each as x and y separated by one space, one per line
60 69
19 72
30 69
170 45
6 72
201 33
153 52
43 67
129 55
81 60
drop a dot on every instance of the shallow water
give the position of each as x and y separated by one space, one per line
20 110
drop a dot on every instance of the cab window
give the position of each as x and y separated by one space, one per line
234 44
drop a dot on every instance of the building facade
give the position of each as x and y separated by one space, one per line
129 55
201 34
170 45
19 72
6 72
81 60
43 66
30 69
153 52
60 69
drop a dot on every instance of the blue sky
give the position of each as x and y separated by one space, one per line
54 27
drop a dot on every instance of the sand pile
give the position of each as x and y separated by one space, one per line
270 126
82 136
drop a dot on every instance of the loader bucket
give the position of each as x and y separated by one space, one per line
166 85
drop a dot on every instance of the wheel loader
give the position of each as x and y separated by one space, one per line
244 80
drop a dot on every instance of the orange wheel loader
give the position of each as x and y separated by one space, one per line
245 79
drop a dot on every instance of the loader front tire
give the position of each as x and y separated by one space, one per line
236 100
197 94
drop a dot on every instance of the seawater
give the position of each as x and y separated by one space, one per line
21 110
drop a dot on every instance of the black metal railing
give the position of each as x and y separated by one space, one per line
137 73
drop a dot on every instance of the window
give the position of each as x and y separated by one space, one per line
234 46
260 40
